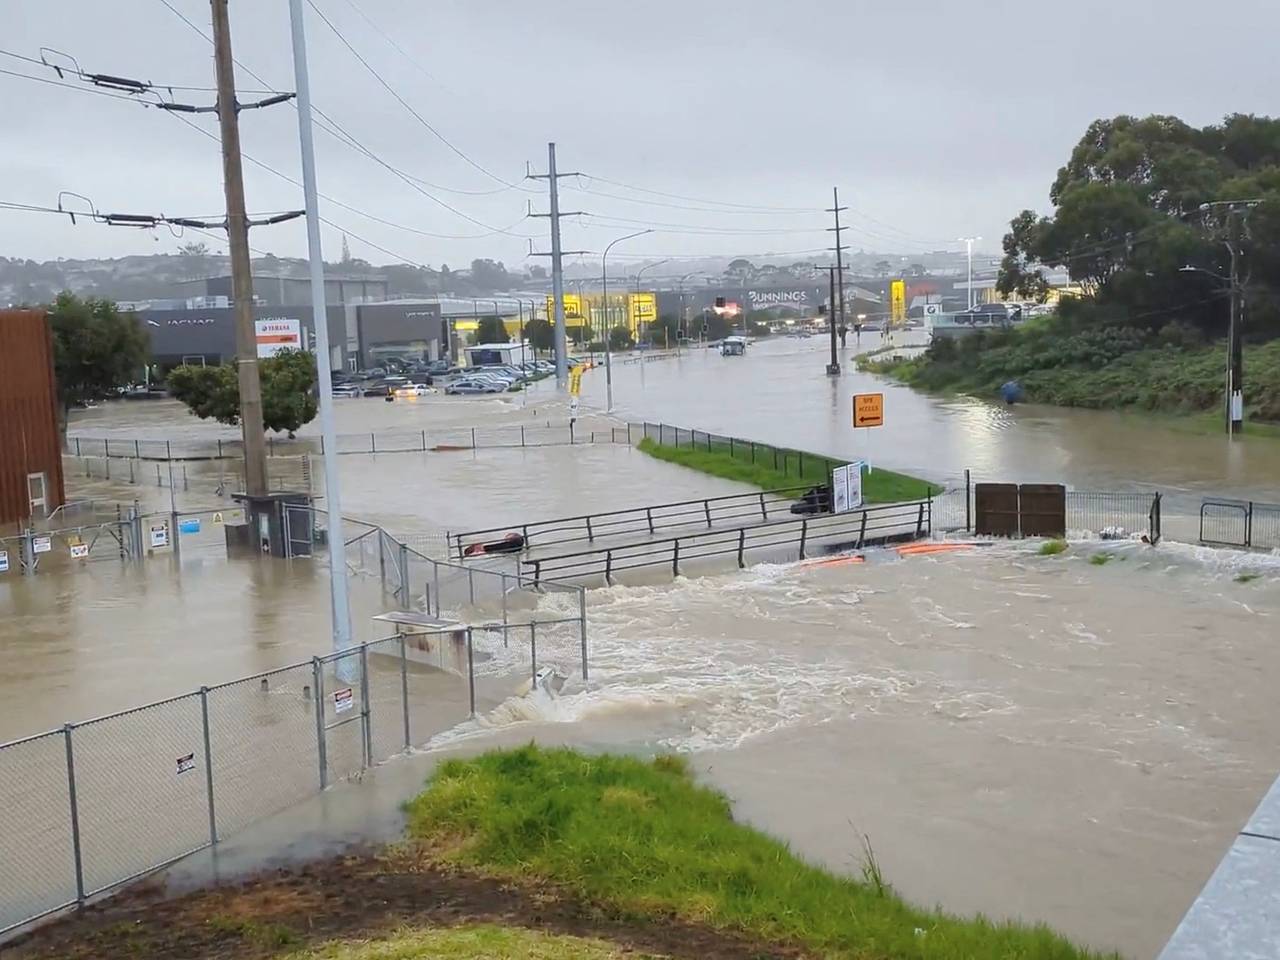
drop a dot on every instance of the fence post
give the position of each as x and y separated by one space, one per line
533 647
862 531
75 814
471 585
435 575
208 763
404 688
800 454
608 567
804 533
675 558
706 507
775 457
742 546
920 521
731 453
1248 526
590 536
628 436
365 711
403 563
317 684
648 512
764 510
471 672
473 438
505 619
77 446
968 499
753 451
582 627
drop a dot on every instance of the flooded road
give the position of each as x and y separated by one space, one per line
1040 737
1025 736
779 393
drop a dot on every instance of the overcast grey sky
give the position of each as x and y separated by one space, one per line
935 118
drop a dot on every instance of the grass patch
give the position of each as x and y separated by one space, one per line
1247 577
468 943
256 932
535 813
772 469
1101 559
1051 548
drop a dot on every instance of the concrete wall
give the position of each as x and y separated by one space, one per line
29 437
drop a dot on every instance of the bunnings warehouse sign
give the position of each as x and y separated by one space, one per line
572 310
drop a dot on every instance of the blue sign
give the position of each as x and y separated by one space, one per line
189 526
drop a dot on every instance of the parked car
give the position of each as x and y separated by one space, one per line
474 385
414 390
377 389
346 390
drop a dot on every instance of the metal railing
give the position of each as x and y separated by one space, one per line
805 467
1240 523
706 513
99 803
371 442
828 532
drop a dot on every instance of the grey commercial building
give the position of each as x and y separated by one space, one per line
359 334
288 289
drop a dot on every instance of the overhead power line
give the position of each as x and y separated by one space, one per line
403 102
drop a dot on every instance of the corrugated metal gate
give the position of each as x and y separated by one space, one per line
1028 509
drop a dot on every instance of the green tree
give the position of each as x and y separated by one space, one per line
492 330
96 348
540 333
620 338
664 330
288 391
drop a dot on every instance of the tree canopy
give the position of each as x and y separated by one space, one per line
96 348
492 330
1129 216
288 397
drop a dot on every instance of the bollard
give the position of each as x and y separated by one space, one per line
533 646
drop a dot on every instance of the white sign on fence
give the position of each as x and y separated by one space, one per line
4 561
41 544
846 488
343 700
79 551
159 535
187 764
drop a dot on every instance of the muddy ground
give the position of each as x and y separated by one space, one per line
356 897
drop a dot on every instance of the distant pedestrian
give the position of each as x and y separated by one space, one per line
844 332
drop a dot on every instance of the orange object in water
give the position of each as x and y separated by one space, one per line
916 549
834 561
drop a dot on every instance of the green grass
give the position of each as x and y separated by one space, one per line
468 943
644 839
1247 577
1051 548
254 931
793 469
1101 559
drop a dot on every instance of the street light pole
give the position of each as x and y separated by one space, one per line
339 600
969 242
604 296
640 272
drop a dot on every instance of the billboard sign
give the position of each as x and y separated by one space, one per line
277 333
572 310
898 302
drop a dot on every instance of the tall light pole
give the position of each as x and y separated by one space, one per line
604 297
340 606
640 273
969 242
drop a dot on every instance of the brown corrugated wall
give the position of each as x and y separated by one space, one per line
29 437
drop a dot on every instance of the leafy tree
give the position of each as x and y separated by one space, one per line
288 391
666 329
620 338
741 270
488 275
492 330
540 333
96 349
580 334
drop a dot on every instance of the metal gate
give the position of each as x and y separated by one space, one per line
996 510
342 715
1028 510
299 529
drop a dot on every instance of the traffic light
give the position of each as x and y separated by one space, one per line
720 303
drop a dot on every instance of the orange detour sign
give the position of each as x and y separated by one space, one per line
868 409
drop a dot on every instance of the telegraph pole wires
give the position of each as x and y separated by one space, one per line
557 256
251 425
837 312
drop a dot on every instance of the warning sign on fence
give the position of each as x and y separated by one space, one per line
41 544
4 561
217 518
187 764
159 536
343 700
79 551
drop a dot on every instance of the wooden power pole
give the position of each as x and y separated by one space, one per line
255 452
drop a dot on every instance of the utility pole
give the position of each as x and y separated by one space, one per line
833 368
969 242
255 447
557 256
1235 229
